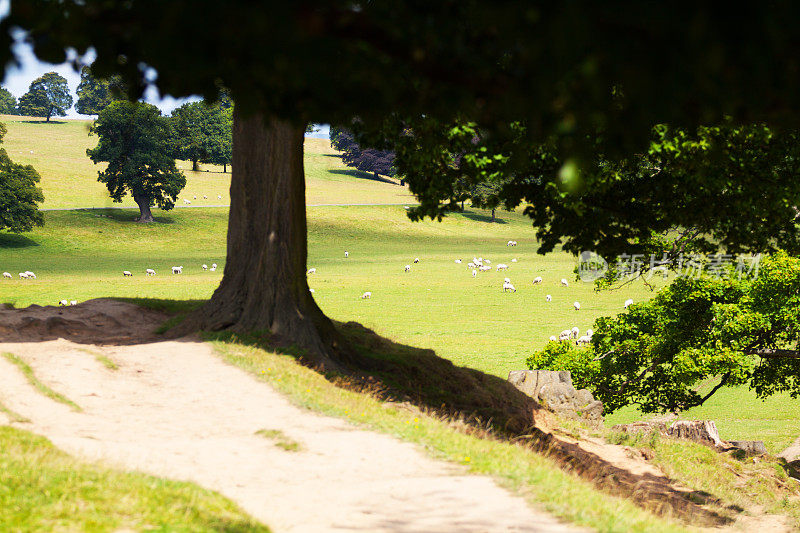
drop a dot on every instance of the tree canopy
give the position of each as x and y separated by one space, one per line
95 94
571 89
19 194
364 159
47 95
134 139
202 133
8 103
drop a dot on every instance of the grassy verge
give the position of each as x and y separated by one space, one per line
27 371
280 439
735 479
102 359
514 466
44 489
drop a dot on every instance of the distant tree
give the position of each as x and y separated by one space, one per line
365 159
135 142
94 94
18 194
47 95
203 133
8 103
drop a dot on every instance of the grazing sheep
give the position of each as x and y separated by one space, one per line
471 265
63 303
502 266
416 259
484 268
575 332
186 202
553 338
458 261
127 273
194 197
589 332
312 271
219 197
548 298
30 274
511 243
204 267
407 268
346 253
213 269
311 291
7 275
586 339
73 302
565 335
205 197
177 270
149 272
487 261
474 272
23 275
514 260
577 306
367 295
506 280
537 279
564 282
507 286
628 303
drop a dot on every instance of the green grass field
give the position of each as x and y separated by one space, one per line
69 178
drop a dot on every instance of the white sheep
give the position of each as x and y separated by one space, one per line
205 197
628 303
186 202
213 269
204 266
484 268
507 286
458 261
149 272
575 332
511 243
407 268
487 261
63 303
73 302
214 266
346 253
311 291
474 272
514 260
502 266
219 197
548 298
30 274
312 271
416 259
564 282
7 275
586 339
194 197
367 295
471 265
506 280
553 338
177 270
537 280
23 275
127 273
565 335
577 306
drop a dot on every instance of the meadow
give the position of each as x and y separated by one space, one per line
80 254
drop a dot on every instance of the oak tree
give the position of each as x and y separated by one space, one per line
19 194
47 95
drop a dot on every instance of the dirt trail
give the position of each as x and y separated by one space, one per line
174 409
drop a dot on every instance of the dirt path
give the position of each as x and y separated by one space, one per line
174 409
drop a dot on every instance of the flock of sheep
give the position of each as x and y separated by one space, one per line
22 275
175 270
194 197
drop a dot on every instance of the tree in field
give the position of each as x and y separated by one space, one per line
561 82
202 133
693 338
364 159
8 103
47 95
94 94
18 194
134 140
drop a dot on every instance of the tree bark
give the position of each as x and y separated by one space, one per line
224 167
144 208
264 286
195 166
492 215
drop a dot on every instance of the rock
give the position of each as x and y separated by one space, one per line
642 427
792 453
554 390
703 431
751 447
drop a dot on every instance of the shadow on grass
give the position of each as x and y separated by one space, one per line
481 217
363 175
15 240
125 215
42 121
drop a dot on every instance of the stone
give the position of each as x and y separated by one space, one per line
642 427
703 431
554 390
751 447
792 453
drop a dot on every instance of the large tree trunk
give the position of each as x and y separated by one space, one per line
264 286
195 166
492 215
144 208
224 167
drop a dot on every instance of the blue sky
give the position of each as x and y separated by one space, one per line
19 77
